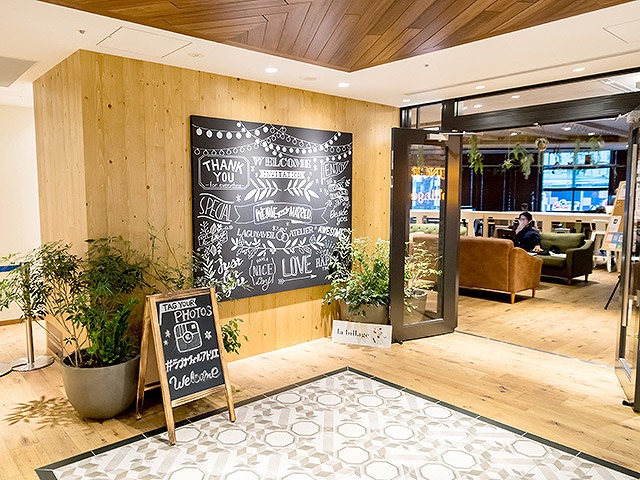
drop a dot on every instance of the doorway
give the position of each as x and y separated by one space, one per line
575 169
423 283
555 302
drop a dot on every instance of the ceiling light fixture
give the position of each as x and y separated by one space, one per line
271 70
344 84
477 105
515 97
591 134
566 129
479 87
406 100
579 69
513 134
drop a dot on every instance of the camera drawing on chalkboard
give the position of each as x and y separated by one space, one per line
187 336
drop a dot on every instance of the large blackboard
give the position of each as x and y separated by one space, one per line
190 345
269 204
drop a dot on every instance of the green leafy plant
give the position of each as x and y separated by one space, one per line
475 156
172 268
359 273
90 298
231 335
519 156
420 269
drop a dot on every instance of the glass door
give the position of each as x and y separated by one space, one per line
425 230
627 364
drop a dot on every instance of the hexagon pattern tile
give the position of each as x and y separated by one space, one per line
343 426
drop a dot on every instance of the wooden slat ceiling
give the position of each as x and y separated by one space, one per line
347 35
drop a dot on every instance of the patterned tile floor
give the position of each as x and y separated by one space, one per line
343 426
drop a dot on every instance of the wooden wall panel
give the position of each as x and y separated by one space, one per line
134 123
60 155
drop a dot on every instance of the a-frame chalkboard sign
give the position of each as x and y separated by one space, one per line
189 350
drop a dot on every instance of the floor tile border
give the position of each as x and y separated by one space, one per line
47 472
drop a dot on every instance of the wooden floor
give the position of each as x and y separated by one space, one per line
554 395
563 319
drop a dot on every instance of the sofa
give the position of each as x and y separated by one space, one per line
431 228
496 264
571 255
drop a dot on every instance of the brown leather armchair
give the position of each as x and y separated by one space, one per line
496 264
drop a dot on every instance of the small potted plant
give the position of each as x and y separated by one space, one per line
420 276
360 279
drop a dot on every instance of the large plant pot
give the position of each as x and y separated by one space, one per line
378 314
101 392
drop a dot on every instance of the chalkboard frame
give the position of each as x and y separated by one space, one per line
151 332
269 204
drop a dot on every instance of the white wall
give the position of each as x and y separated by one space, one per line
19 213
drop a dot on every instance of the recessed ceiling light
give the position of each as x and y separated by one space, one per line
479 87
566 129
477 105
513 134
271 70
406 100
344 84
579 69
464 108
591 134
515 96
196 55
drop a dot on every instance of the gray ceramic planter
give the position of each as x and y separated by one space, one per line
378 314
102 392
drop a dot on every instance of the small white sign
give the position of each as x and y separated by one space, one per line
369 334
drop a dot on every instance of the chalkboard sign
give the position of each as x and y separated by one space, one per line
270 202
188 347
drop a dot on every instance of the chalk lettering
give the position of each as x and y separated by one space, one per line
193 359
193 378
296 265
191 313
177 305
214 208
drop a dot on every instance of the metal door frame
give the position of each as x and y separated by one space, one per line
402 139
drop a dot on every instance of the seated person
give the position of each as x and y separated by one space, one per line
526 235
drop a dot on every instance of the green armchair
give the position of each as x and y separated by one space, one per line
575 258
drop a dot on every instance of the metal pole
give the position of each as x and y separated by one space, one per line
30 363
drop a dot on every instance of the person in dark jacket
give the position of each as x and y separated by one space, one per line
526 235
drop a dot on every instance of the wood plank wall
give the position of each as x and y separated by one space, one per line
114 156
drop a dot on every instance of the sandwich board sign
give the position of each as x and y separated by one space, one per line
187 340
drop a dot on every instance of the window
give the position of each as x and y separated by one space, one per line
575 181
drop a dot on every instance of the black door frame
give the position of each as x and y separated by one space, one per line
402 139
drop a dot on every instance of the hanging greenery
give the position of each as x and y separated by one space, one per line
519 156
475 156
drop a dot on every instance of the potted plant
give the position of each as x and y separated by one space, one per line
91 301
420 276
360 279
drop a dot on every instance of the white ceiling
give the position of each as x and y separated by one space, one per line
600 41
